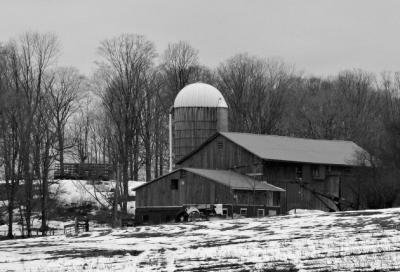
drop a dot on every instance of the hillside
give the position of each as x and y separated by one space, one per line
347 241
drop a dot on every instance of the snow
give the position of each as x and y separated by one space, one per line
70 193
345 241
304 211
80 191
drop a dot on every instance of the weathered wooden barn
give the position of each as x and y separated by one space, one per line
249 174
316 174
164 198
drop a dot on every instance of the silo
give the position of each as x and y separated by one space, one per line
199 111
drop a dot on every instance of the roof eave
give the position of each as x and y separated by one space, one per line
259 189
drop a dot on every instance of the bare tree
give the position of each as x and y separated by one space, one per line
180 63
80 128
63 91
127 60
255 89
151 114
44 139
9 137
31 57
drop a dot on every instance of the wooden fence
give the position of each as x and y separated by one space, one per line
77 227
85 171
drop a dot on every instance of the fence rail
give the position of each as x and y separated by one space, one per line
84 171
75 228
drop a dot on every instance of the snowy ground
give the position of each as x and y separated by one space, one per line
71 193
351 241
79 191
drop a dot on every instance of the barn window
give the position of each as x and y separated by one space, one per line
347 170
315 171
174 184
276 198
220 145
243 211
299 172
260 212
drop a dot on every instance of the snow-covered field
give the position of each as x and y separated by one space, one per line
351 241
70 193
79 191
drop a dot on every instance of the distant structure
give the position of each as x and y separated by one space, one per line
199 111
242 173
84 171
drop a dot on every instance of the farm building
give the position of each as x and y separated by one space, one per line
247 174
187 187
316 174
88 171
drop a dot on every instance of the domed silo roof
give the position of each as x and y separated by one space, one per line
200 95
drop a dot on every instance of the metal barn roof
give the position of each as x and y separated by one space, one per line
226 177
200 95
234 180
282 148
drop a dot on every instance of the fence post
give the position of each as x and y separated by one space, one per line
76 225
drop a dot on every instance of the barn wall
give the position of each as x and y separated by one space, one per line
266 198
221 153
283 174
192 189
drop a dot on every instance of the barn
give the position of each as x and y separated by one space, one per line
194 187
242 173
316 174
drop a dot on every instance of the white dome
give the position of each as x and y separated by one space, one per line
200 95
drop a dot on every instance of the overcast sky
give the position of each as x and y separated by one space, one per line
319 37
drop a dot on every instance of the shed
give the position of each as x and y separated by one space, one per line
162 199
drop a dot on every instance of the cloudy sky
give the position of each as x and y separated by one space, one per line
319 37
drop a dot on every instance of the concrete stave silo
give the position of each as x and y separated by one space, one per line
199 111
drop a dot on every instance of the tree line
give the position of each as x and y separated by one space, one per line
119 115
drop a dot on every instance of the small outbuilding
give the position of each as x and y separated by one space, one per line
165 198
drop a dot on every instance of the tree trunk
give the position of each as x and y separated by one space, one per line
148 154
61 150
131 175
125 184
161 160
45 186
28 184
44 204
136 158
116 199
11 199
156 154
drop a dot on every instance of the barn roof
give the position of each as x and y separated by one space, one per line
283 148
291 149
226 177
234 180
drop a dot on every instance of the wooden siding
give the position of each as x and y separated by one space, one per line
299 192
266 198
221 153
192 189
